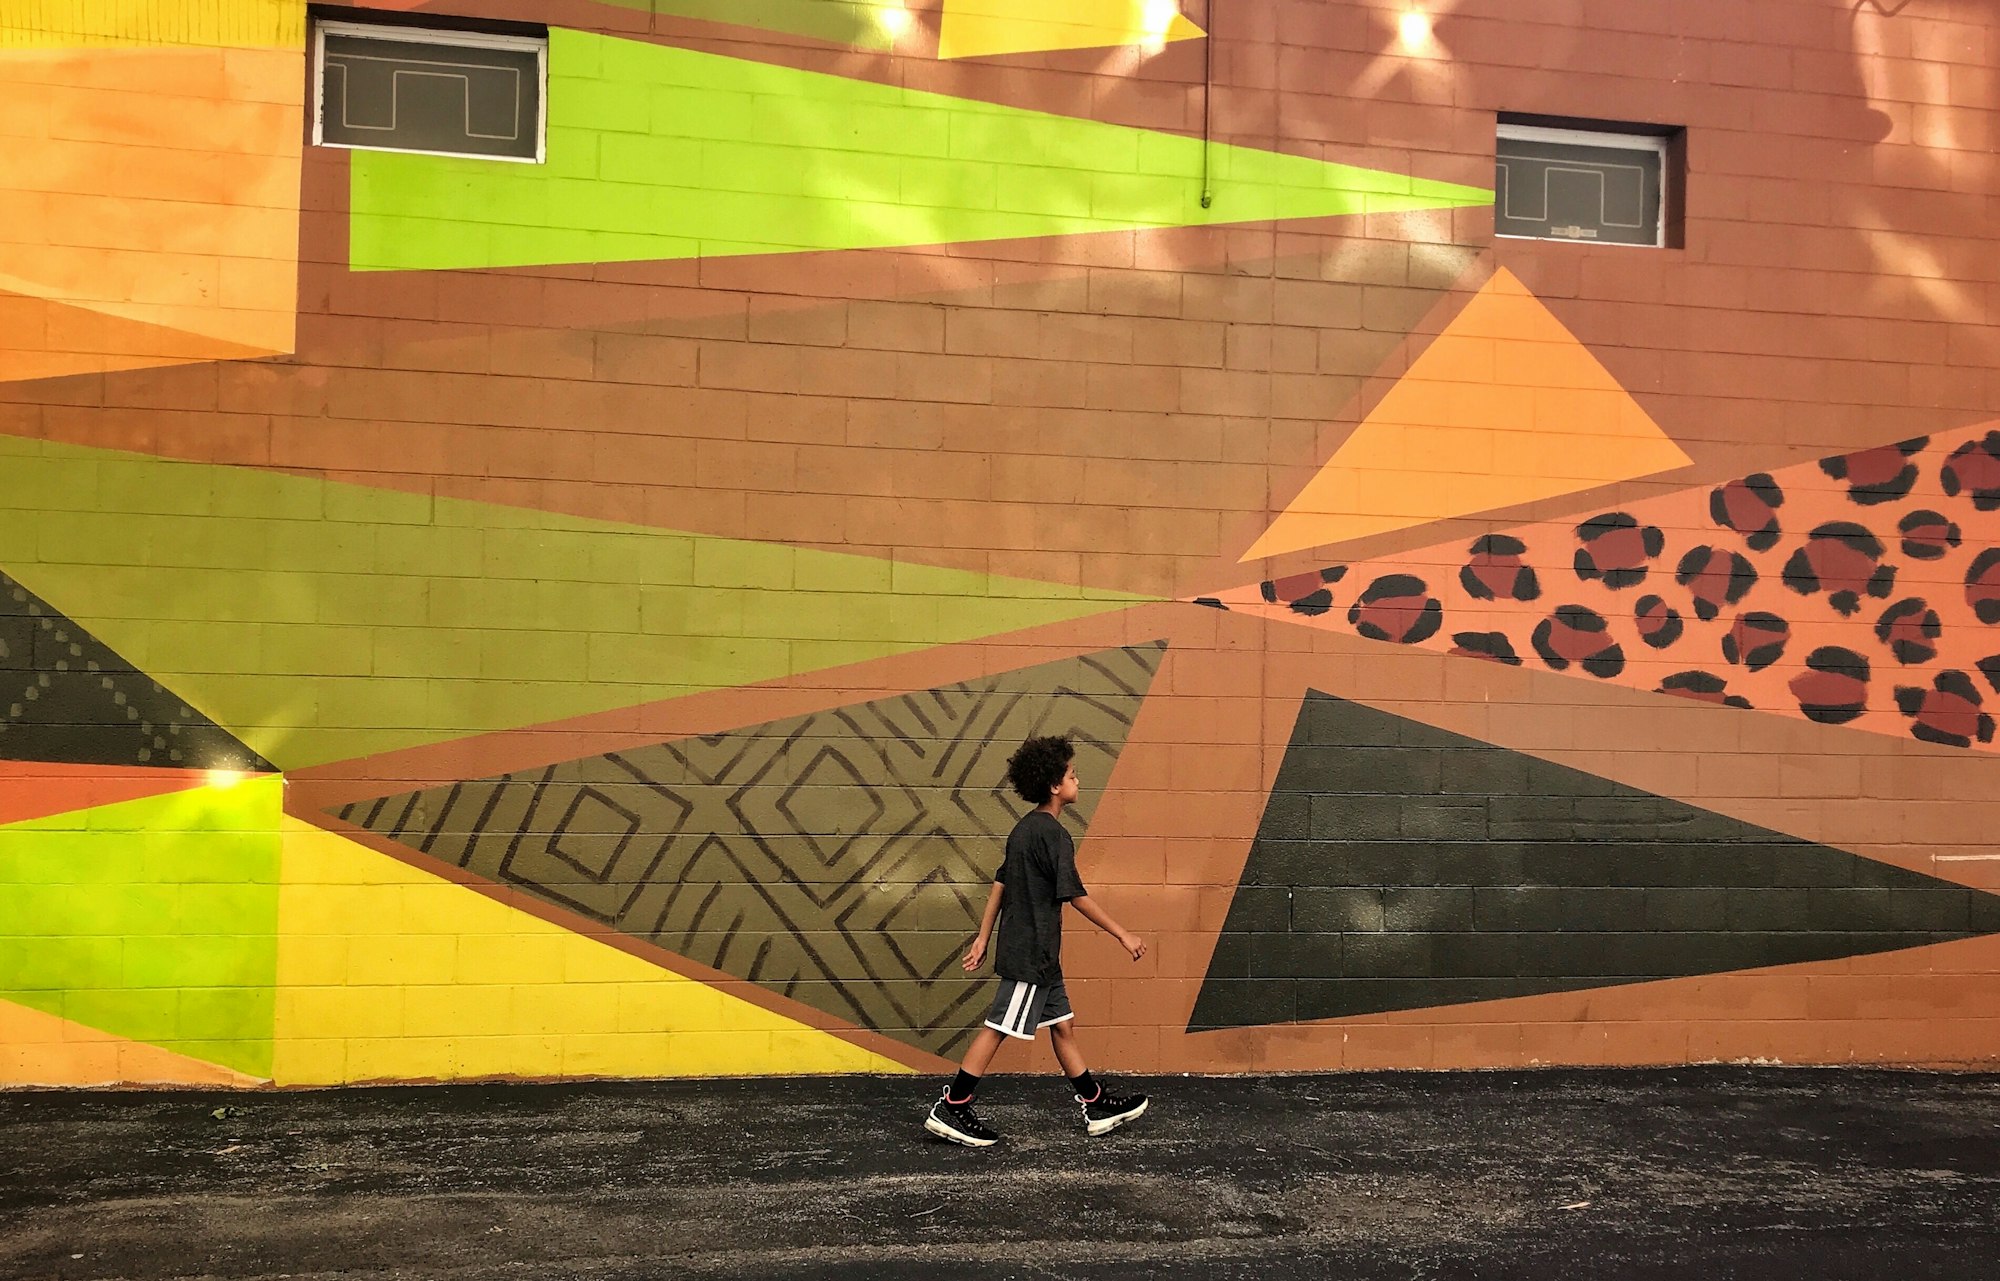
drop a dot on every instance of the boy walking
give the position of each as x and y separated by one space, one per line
1029 890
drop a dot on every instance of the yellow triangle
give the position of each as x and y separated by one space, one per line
43 1049
1504 407
984 28
389 973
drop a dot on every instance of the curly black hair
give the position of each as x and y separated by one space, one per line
1037 767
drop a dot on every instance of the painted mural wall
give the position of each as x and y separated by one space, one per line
462 618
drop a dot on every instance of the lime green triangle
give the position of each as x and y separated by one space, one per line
153 919
320 621
657 152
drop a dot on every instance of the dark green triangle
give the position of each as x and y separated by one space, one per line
1399 866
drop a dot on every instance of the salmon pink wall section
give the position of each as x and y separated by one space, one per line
473 619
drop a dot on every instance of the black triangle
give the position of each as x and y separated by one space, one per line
1399 866
67 697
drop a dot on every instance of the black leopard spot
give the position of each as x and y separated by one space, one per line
1574 634
1750 507
1910 628
1660 624
1715 578
1494 647
1703 687
1974 468
1989 667
1844 560
1496 569
1617 549
1305 594
1210 601
1927 535
1982 586
1833 689
1757 640
1877 475
1397 607
1948 713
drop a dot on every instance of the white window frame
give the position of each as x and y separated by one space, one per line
1640 142
437 36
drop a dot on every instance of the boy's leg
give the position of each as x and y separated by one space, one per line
952 1117
1102 1112
979 1056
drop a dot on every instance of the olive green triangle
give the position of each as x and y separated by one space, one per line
656 152
321 621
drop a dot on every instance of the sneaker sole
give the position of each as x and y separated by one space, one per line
1110 1123
944 1131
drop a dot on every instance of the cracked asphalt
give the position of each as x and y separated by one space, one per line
1712 1172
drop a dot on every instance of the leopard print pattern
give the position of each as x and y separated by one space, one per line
1861 590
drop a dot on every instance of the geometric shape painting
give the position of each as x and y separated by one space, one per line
840 859
1860 590
985 28
388 972
154 919
1503 407
1399 866
68 697
38 788
657 152
295 610
119 260
865 24
42 1049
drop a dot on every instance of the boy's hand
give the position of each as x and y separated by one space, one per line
1133 944
975 954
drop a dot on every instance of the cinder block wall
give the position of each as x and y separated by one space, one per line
465 618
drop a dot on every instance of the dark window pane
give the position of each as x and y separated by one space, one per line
409 95
1572 191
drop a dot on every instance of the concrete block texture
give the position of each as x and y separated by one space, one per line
463 618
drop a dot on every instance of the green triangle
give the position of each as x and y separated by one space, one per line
320 621
656 152
153 919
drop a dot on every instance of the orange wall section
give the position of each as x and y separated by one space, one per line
1485 653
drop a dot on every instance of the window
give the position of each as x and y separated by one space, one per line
439 92
1587 180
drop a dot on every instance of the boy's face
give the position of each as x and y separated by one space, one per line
1067 789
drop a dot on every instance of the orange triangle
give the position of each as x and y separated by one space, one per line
42 338
1504 407
37 789
41 1049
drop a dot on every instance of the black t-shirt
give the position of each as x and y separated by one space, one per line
1038 877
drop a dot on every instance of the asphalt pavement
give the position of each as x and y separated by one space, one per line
1709 1172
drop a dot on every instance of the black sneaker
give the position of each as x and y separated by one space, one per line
959 1123
1106 1113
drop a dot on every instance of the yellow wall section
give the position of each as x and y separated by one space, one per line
1504 407
222 24
388 973
42 1049
985 28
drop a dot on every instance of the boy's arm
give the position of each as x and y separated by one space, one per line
1102 920
977 952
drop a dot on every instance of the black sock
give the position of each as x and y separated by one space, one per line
961 1087
1086 1089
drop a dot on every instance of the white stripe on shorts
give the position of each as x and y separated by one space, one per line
1023 995
1029 1009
